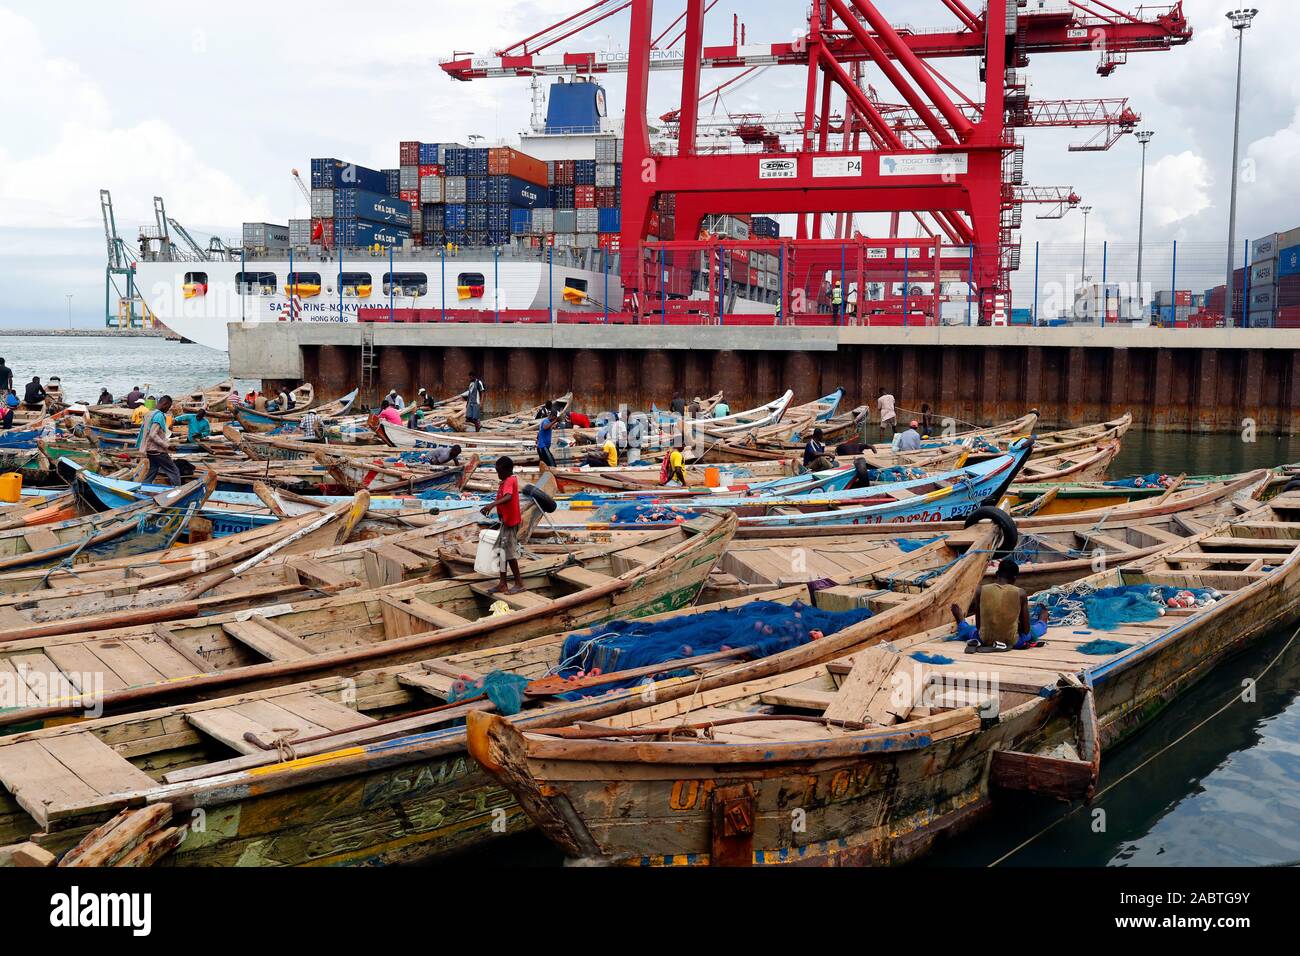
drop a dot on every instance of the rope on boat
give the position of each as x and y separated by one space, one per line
1169 746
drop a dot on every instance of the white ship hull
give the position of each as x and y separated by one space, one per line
202 316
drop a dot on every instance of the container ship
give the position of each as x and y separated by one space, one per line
451 228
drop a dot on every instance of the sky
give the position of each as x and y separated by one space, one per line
211 106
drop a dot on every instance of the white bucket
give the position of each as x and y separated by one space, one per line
488 559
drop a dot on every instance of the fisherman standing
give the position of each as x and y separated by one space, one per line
155 442
545 433
508 511
888 416
474 402
6 377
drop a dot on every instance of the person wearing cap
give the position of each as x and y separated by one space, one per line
910 440
395 399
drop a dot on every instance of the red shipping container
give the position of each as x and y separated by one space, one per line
409 195
1182 298
408 153
564 172
427 172
609 241
606 197
504 161
584 197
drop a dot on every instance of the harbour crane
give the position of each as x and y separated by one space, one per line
956 165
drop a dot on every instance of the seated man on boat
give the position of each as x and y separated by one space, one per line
674 467
34 396
105 396
510 514
197 425
909 439
1001 612
133 397
7 409
815 457
607 457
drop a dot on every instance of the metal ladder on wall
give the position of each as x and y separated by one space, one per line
368 364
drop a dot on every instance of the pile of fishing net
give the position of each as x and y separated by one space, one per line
908 545
1105 609
761 628
1142 481
887 476
1030 549
641 514
504 689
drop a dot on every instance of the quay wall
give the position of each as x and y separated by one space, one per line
1199 380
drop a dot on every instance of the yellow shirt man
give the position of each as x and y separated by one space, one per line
137 416
611 453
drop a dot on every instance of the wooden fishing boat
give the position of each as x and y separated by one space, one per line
526 421
386 733
144 526
635 574
212 399
261 421
1068 439
1048 557
1171 501
1087 463
869 759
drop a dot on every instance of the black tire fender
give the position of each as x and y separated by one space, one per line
540 498
1010 534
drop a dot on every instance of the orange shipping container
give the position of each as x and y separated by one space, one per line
504 161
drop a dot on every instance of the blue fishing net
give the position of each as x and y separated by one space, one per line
908 545
1102 647
887 476
505 690
642 514
1107 608
925 658
1140 481
763 627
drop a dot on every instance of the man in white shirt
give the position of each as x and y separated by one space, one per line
888 417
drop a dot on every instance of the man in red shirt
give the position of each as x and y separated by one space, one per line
507 508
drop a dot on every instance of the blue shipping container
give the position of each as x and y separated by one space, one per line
353 232
477 217
476 189
564 197
1289 262
521 221
584 172
336 174
429 153
514 191
476 161
611 220
455 217
371 207
457 162
394 177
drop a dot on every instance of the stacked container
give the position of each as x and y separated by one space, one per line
1262 287
265 236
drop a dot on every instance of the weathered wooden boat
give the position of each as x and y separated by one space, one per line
212 399
526 420
144 526
379 756
635 574
1048 557
262 421
1087 463
869 759
1172 501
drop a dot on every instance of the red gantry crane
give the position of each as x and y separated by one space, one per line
948 154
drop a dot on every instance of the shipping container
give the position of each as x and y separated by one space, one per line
584 172
409 195
371 207
584 197
1262 299
1261 250
1260 320
585 240
408 177
543 221
1285 240
431 189
430 154
358 234
1288 262
322 203
606 174
521 221
588 219
606 197
299 232
566 220
607 150
408 153
336 174
476 162
476 189
517 192
265 235
456 161
610 220
456 189
563 197
504 161
563 172
322 231
455 217
1264 273
394 177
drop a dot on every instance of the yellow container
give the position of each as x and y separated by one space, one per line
11 487
712 477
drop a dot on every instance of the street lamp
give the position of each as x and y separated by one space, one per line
1143 137
1083 270
1240 20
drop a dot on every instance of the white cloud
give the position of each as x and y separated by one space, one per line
1178 187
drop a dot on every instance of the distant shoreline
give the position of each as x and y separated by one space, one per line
89 333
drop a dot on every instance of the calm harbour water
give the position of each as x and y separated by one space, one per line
1227 795
87 364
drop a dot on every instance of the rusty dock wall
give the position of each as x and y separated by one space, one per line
1174 380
